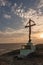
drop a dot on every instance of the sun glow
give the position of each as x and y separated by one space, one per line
41 35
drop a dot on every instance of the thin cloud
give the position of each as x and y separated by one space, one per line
40 4
7 16
8 33
3 2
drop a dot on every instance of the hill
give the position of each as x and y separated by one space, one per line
35 58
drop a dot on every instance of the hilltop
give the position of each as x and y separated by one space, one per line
35 58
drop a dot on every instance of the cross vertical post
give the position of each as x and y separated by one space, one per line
29 31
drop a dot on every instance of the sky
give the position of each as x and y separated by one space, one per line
14 14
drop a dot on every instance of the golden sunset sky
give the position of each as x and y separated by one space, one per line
14 14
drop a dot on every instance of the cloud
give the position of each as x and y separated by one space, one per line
3 2
9 33
7 16
29 12
21 12
40 4
35 13
14 14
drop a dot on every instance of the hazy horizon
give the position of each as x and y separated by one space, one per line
5 48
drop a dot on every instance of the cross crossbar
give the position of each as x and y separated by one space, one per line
30 25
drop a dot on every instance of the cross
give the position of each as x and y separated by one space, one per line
30 25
